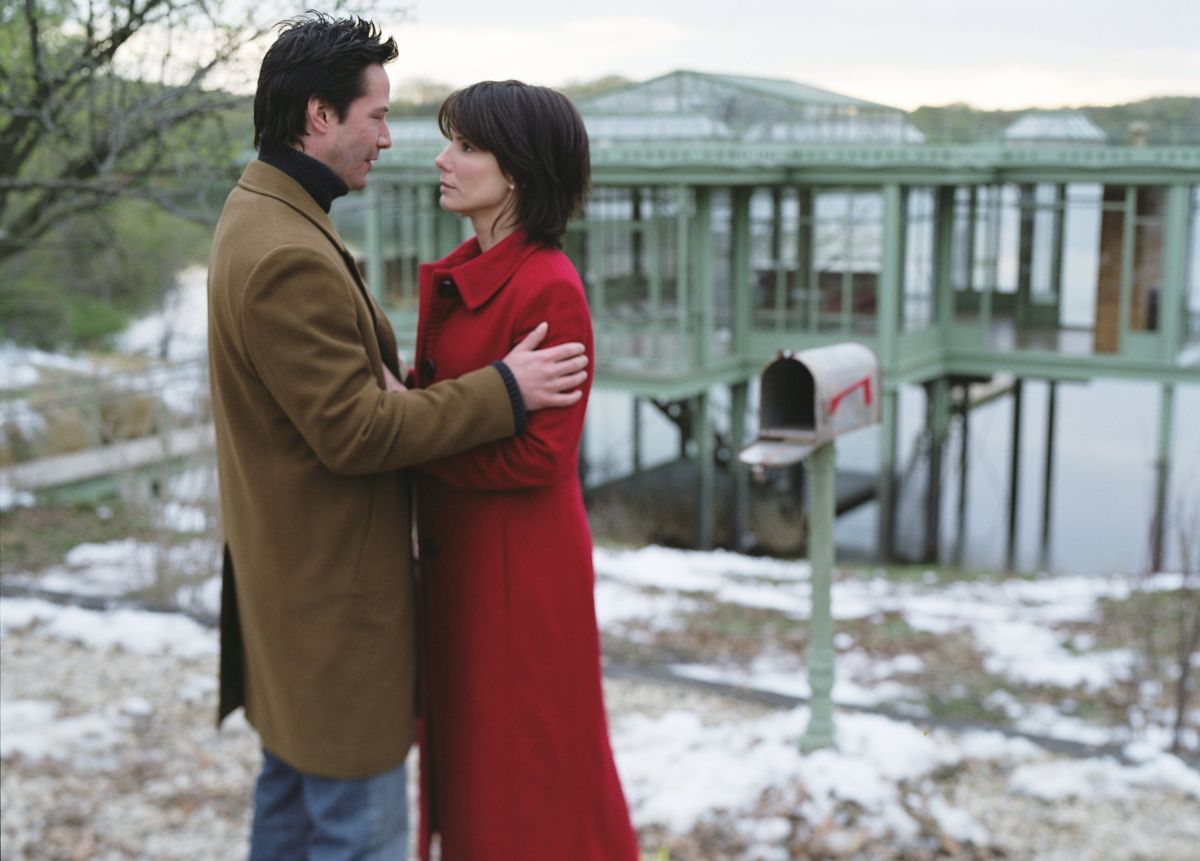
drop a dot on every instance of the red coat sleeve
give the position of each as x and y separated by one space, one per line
548 449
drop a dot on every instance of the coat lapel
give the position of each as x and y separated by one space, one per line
480 276
261 178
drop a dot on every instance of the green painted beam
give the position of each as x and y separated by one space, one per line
1026 208
376 273
806 258
723 163
1128 239
683 203
1172 306
891 278
739 268
943 256
674 387
701 288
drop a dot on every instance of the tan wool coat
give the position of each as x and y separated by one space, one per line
317 622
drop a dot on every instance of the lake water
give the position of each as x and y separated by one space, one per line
1103 494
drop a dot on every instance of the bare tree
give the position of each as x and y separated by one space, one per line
1161 622
101 99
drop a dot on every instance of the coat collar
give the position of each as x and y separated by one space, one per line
479 276
262 178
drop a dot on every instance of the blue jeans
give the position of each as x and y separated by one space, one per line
302 817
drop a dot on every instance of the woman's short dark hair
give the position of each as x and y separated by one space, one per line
315 55
539 141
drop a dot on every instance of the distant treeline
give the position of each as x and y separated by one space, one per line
421 97
1168 121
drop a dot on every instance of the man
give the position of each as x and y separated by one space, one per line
312 430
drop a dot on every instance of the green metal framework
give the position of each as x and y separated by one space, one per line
702 260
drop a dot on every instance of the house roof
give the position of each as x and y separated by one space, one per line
1055 126
741 107
790 90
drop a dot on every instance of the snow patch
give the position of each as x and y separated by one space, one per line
10 498
33 729
1103 778
117 568
137 632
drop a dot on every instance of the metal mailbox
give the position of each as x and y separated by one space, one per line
808 398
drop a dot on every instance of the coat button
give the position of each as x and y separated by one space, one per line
428 369
428 548
447 289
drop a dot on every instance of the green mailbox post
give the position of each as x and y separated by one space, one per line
806 400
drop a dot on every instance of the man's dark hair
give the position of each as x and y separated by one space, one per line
539 141
315 55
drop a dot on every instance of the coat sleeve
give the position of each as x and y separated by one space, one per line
547 451
304 337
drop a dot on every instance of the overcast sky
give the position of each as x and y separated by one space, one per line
906 53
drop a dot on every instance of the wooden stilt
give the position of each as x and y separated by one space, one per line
937 394
738 396
704 460
637 435
1048 476
886 486
960 534
1162 470
1014 479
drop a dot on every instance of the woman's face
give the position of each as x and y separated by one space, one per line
472 183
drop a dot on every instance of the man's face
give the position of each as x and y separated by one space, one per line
353 142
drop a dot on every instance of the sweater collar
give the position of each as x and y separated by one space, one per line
261 178
479 275
315 176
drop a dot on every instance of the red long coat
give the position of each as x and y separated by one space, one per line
515 757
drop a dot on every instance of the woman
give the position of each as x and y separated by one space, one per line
515 757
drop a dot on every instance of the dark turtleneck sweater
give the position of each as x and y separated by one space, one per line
318 180
325 186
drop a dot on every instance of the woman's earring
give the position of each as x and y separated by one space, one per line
511 187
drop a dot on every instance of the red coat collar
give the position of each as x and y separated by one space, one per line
479 275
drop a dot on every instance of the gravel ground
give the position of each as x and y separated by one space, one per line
1144 826
168 786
